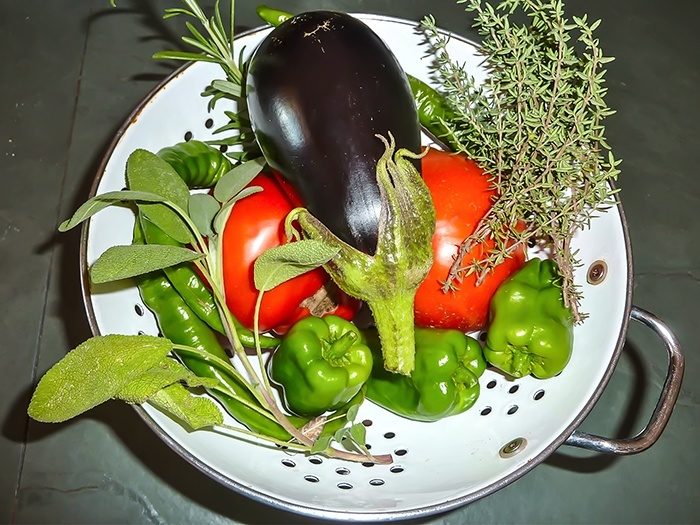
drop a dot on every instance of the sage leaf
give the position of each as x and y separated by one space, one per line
238 178
163 374
100 202
358 433
222 217
352 412
168 221
340 435
194 411
93 373
146 171
202 209
321 444
121 262
280 264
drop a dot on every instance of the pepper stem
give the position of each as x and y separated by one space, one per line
336 350
393 318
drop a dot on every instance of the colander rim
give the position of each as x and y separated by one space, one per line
262 497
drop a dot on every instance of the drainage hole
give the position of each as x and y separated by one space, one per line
482 337
209 123
538 395
311 479
486 411
389 435
342 471
396 469
141 332
367 464
138 309
512 410
315 461
367 422
513 389
368 446
223 148
491 384
401 452
344 486
288 463
188 136
376 482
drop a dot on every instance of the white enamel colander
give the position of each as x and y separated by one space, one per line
514 425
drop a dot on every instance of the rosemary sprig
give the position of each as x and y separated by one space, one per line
213 42
536 126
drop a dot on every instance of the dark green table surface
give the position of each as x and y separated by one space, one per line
71 71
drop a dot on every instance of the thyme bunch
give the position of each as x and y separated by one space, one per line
536 126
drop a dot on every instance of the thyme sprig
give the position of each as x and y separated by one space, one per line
536 126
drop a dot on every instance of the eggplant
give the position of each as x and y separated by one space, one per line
319 88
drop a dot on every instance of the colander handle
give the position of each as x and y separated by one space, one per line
664 407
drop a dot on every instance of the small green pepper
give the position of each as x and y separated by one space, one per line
531 331
444 383
197 163
321 364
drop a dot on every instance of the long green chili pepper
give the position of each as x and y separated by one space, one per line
178 323
273 16
433 108
196 294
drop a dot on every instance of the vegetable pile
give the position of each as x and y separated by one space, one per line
326 204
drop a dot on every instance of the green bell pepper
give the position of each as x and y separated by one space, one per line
531 331
321 364
445 381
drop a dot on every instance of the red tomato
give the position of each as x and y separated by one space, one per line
256 223
461 194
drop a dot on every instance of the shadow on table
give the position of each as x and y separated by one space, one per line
169 32
627 427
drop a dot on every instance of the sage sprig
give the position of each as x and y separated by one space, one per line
536 126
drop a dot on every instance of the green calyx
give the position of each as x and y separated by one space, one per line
321 364
531 331
387 281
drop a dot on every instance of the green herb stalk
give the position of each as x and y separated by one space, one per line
536 126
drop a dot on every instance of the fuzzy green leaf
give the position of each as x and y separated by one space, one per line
280 264
122 262
202 209
222 217
352 412
163 374
194 411
94 372
146 171
321 444
100 202
358 432
238 178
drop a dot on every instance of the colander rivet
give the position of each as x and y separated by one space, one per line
597 272
513 447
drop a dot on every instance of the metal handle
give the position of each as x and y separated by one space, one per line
664 407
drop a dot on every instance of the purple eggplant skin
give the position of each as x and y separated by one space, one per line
320 87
